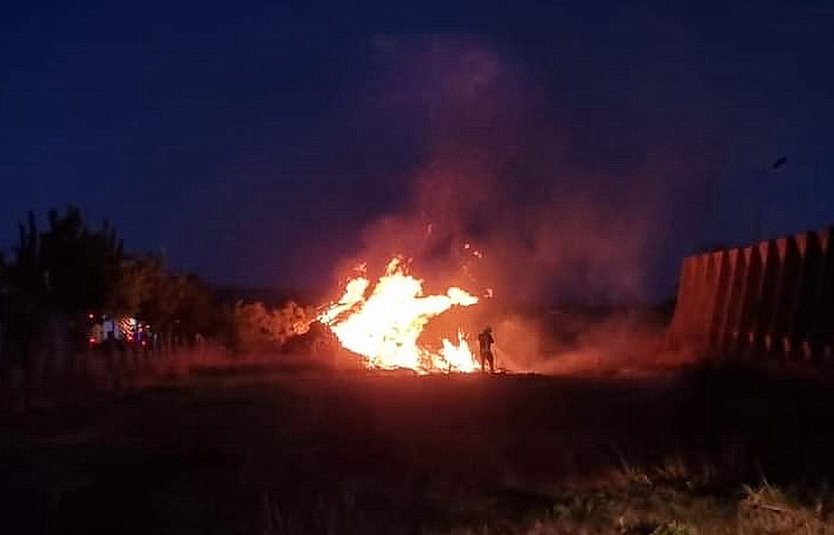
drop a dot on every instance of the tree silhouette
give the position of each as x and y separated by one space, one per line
68 268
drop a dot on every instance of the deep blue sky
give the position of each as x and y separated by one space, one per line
245 140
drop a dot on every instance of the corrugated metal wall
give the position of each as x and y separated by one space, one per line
771 299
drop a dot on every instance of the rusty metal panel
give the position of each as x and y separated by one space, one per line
720 299
749 319
784 297
737 273
822 337
808 247
765 301
706 299
746 301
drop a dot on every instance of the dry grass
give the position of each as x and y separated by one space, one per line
631 502
281 448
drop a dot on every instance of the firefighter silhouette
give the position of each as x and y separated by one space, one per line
485 340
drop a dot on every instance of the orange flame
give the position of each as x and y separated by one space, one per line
383 323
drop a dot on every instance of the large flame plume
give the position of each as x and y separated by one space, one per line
383 322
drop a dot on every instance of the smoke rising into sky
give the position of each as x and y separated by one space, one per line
508 175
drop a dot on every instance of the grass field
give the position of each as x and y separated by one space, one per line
268 449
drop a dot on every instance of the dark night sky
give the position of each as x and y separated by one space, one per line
245 139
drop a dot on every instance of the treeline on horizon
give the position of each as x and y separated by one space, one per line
69 270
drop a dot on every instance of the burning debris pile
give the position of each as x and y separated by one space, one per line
383 322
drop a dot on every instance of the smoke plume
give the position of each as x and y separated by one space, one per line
513 197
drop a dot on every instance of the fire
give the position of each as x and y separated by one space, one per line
383 322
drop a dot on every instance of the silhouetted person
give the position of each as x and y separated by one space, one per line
485 340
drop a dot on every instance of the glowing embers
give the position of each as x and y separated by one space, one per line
383 322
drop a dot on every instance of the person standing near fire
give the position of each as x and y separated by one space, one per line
485 340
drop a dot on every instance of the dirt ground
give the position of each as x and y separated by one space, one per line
292 449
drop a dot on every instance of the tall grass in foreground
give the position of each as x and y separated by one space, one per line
631 502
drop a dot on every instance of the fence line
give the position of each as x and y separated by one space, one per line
772 299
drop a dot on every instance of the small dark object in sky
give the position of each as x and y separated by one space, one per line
779 163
